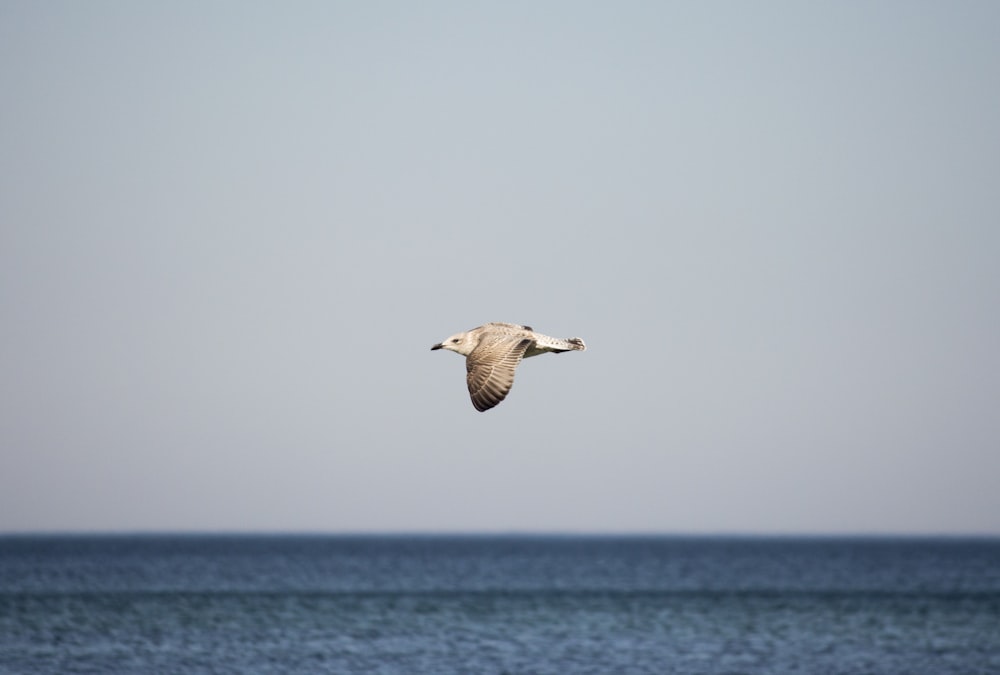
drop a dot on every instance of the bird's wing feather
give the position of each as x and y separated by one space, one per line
491 367
500 324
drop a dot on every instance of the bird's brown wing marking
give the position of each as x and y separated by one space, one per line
491 368
500 324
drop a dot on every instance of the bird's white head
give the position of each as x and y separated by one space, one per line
462 343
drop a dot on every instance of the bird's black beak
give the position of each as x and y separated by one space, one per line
437 346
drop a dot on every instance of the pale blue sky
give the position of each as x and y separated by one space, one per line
231 232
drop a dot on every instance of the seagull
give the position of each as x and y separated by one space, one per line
492 352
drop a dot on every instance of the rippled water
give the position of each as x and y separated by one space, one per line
498 605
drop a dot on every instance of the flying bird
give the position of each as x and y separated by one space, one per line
492 352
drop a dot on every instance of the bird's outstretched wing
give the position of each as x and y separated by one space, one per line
491 367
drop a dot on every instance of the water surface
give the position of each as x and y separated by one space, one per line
280 604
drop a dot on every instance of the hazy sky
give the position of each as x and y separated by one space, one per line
231 231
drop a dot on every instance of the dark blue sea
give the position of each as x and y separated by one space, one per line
498 604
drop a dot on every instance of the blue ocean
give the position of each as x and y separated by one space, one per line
498 604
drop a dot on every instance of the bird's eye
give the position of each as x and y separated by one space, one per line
455 340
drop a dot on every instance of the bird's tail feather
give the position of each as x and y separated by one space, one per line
552 344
